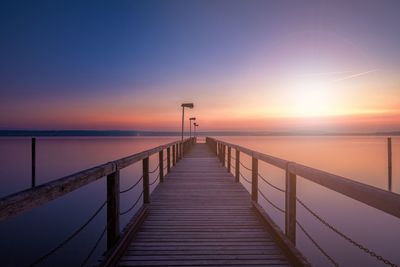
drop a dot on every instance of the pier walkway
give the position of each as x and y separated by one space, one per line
200 217
199 213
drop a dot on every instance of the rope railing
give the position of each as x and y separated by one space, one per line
133 206
69 238
132 186
379 199
153 171
25 200
316 244
97 243
270 202
241 175
270 184
158 176
244 166
297 222
349 239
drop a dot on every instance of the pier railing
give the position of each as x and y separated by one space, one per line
29 199
382 200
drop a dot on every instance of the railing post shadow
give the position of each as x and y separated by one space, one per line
168 159
290 206
229 158
161 165
254 179
113 208
237 165
146 183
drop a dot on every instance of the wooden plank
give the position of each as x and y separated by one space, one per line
200 216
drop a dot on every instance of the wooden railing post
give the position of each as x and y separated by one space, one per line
168 159
389 149
290 206
179 151
254 179
237 165
112 208
229 159
161 163
223 155
173 155
33 153
220 152
146 186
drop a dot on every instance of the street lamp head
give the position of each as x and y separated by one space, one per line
192 118
187 105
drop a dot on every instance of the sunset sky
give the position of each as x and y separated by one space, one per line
246 65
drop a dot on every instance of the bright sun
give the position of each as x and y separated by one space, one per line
311 98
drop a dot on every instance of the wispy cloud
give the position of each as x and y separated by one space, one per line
355 75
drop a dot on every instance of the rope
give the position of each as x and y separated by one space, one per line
131 187
273 186
244 178
353 242
158 176
244 166
94 247
134 204
270 202
69 238
316 245
153 171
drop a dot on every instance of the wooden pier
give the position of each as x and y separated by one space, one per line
200 214
200 217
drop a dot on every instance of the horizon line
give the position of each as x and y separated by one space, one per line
49 133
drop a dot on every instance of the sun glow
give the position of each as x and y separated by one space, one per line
312 98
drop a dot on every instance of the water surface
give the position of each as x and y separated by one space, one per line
363 159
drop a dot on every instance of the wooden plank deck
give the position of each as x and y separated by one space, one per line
200 217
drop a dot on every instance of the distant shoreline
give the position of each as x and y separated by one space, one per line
115 133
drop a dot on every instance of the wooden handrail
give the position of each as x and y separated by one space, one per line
383 200
25 200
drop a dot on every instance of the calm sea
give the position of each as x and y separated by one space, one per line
33 234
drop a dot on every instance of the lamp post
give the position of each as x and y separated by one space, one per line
190 123
185 105
195 126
